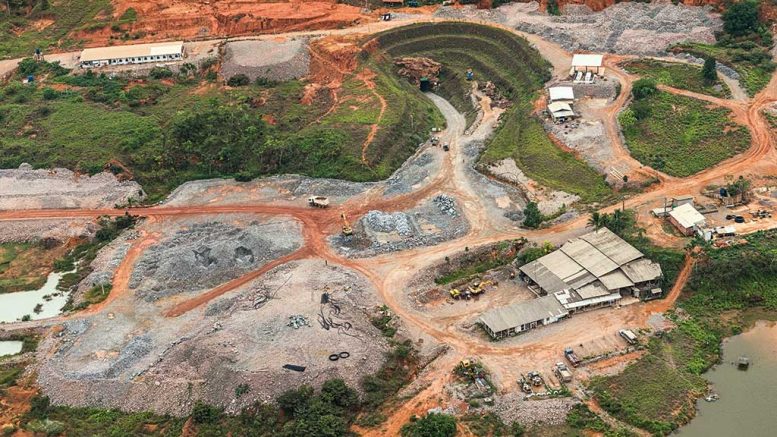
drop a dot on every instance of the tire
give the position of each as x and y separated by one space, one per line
344 355
334 357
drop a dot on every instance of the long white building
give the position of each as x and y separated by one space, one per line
132 54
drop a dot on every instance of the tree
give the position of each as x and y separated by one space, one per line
203 413
643 88
238 80
337 392
294 401
532 217
708 72
432 425
552 8
741 18
597 220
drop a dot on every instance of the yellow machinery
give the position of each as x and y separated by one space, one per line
479 287
455 293
347 230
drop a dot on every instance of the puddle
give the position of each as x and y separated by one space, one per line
10 348
14 306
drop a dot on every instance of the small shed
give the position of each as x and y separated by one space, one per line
686 219
585 63
564 94
560 111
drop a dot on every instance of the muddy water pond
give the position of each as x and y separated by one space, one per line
747 397
14 306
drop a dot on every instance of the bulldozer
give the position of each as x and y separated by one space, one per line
347 230
479 287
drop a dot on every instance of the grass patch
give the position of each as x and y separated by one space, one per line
752 62
677 75
24 30
163 131
679 135
25 266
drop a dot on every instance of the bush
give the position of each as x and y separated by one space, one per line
50 94
295 400
741 18
205 414
238 80
643 88
160 73
708 72
432 425
532 216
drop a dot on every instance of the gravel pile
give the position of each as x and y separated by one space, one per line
206 254
446 204
25 188
624 27
279 61
512 407
379 221
723 69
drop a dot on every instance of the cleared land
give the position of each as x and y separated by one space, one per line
518 72
677 75
160 128
680 135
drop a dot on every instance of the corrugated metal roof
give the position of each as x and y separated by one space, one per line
687 216
543 277
593 290
642 270
580 60
615 280
131 51
588 256
517 314
612 246
561 93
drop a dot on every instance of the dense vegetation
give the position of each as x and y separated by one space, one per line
168 128
517 71
744 45
431 425
679 135
677 75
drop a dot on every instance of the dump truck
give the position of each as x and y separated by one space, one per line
318 201
628 335
572 357
563 373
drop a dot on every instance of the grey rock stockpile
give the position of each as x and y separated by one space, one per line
271 60
207 254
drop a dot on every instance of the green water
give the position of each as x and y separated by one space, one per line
747 398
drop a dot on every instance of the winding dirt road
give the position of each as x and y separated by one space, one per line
391 273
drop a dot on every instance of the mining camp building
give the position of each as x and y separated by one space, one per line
560 111
587 63
687 219
594 270
563 94
132 54
523 316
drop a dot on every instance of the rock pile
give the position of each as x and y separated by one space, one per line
446 204
380 221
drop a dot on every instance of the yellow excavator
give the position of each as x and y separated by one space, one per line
479 287
347 230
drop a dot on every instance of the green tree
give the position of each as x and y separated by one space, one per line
337 392
597 220
203 413
432 425
553 8
643 88
296 400
741 18
532 217
708 72
238 80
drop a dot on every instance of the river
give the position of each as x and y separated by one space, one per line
14 306
747 398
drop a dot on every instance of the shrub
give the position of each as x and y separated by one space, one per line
643 88
431 425
160 73
532 216
205 414
238 80
50 94
741 18
708 72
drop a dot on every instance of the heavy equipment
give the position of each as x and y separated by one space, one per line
318 201
347 230
563 373
572 357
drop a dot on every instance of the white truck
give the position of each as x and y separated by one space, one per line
318 201
628 335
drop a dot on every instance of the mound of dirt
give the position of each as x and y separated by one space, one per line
416 68
279 60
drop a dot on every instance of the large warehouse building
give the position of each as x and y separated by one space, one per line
132 54
595 270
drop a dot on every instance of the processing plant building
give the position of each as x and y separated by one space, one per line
595 270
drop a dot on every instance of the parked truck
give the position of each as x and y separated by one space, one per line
318 201
572 357
563 373
628 335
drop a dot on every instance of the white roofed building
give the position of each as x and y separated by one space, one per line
564 94
560 111
687 219
132 54
585 63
